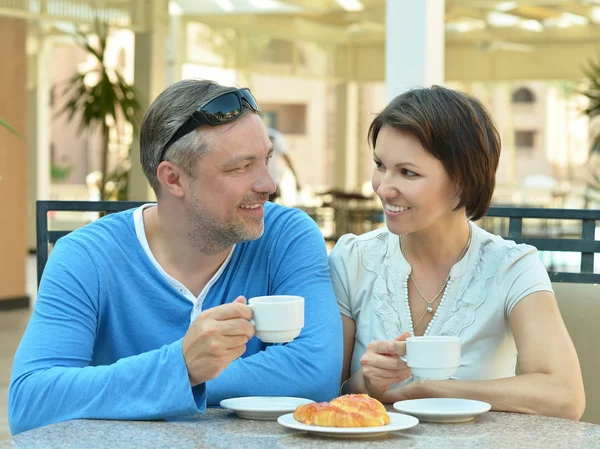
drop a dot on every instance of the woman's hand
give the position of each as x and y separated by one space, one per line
382 366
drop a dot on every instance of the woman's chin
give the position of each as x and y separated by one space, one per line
395 228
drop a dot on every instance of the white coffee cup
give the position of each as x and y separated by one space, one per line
433 357
277 318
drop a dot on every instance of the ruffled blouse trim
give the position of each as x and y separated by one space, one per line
382 257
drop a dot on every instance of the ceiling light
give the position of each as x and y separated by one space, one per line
596 14
500 19
366 26
566 20
506 6
558 22
175 9
225 5
575 19
265 4
464 26
532 25
351 5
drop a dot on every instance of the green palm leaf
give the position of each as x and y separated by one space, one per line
6 125
592 92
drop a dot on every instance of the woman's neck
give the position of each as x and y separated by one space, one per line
440 245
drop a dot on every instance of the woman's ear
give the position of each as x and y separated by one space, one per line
171 177
459 195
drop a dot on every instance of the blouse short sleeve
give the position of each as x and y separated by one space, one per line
521 274
344 264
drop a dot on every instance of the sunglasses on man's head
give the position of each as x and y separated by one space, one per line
221 109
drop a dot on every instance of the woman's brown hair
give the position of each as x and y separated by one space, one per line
456 129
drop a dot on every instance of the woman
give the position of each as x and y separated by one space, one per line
432 271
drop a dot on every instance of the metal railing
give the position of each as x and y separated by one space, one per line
583 242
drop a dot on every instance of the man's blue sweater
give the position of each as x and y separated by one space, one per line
105 337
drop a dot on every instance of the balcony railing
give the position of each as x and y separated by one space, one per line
126 14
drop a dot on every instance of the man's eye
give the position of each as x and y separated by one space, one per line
244 167
268 159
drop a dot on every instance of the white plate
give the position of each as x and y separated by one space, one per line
263 407
443 410
398 421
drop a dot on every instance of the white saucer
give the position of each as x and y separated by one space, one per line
398 421
442 410
263 407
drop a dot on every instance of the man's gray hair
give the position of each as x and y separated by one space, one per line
166 114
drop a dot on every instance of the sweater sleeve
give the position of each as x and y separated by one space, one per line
53 379
310 366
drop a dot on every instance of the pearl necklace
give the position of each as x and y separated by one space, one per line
447 286
444 288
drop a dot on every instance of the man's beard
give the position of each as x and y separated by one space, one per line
210 236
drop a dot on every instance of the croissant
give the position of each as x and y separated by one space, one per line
351 410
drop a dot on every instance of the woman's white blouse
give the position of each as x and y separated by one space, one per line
370 275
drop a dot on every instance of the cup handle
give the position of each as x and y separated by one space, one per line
403 358
251 319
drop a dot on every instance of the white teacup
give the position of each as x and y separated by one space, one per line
277 318
432 357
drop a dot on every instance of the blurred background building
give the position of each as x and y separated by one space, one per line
320 70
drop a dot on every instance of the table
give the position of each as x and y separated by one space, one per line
220 429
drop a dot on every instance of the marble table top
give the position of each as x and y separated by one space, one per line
222 429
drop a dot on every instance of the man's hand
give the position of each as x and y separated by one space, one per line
216 338
382 366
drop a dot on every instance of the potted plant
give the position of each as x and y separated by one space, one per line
101 98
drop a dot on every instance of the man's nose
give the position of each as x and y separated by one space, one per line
265 182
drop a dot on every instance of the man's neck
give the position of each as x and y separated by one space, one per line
169 244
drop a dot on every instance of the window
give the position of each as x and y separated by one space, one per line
523 95
270 119
525 139
285 118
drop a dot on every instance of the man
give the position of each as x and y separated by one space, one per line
280 160
143 315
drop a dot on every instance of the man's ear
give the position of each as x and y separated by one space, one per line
171 177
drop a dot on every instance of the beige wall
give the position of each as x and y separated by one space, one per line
306 149
13 159
464 62
580 308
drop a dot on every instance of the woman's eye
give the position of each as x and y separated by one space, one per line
268 159
408 173
379 165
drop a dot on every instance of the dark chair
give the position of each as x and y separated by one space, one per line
581 242
46 237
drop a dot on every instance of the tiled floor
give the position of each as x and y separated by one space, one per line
12 325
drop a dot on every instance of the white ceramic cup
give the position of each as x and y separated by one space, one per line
432 357
277 318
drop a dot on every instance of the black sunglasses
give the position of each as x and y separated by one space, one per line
221 109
